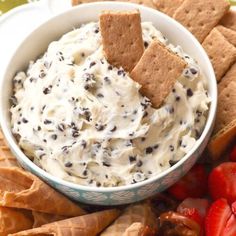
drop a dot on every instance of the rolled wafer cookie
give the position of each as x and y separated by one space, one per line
14 220
87 225
221 53
201 16
21 189
139 213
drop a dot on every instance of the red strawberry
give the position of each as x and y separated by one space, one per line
230 228
232 155
222 182
233 207
195 209
217 217
193 184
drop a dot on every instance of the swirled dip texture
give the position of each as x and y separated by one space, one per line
84 121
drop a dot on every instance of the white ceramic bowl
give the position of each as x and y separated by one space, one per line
36 43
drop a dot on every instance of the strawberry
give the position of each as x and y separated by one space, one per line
233 207
230 228
222 182
193 184
217 217
195 209
232 155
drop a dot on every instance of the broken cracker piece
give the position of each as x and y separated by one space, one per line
229 77
157 72
122 38
226 110
221 53
200 17
221 140
229 20
168 6
229 34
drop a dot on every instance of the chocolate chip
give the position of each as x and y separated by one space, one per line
61 127
120 72
193 71
177 98
145 44
39 128
100 95
173 90
106 164
171 148
156 146
92 64
54 136
110 67
98 184
86 87
46 122
140 163
85 172
96 31
189 92
143 139
171 162
145 114
99 127
46 91
83 143
107 80
113 129
149 150
75 134
42 74
68 164
24 120
132 158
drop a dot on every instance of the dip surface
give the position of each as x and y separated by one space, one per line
84 121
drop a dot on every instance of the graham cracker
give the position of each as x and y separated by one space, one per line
221 53
226 110
122 38
229 34
200 17
157 72
168 6
229 20
147 3
221 140
229 77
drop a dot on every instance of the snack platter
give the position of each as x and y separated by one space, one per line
195 205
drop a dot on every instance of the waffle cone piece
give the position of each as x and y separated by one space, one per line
6 157
41 218
87 225
140 213
14 220
21 189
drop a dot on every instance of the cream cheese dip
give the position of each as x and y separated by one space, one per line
84 121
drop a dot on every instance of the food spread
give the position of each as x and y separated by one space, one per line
88 123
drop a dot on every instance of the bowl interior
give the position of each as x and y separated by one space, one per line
37 42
